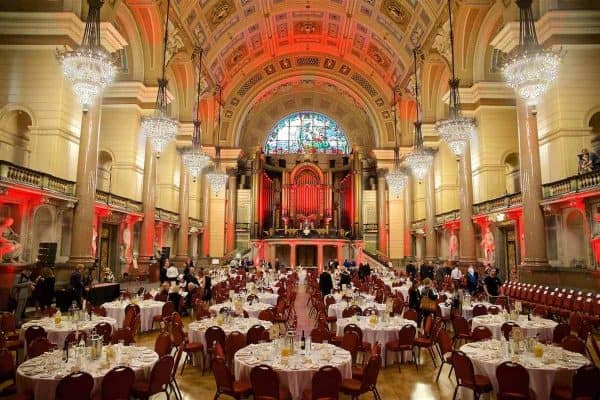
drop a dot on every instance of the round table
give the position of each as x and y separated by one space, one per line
197 329
336 310
381 332
541 326
148 309
252 310
556 364
402 289
268 298
467 311
58 333
39 376
297 374
338 297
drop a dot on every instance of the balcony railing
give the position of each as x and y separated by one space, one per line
576 183
196 223
440 219
370 227
165 215
497 204
120 202
24 176
242 226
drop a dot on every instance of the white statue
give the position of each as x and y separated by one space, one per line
453 246
10 248
488 244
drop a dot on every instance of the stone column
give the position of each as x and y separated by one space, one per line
230 217
382 232
357 171
320 257
466 253
408 220
184 214
292 255
146 250
206 217
256 192
430 236
340 253
85 188
534 233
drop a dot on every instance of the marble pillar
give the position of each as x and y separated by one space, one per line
408 220
320 257
184 214
340 253
146 250
534 233
85 188
256 191
382 231
292 255
358 188
430 235
206 217
230 216
466 252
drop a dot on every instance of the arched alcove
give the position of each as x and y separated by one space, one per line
574 235
43 229
104 170
511 170
14 136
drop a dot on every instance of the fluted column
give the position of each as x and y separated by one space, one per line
320 257
184 214
292 255
408 219
340 253
382 232
534 234
231 209
357 212
85 188
206 217
146 250
430 236
467 253
256 192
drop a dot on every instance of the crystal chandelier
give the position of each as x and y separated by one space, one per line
420 160
159 128
458 130
89 67
531 69
217 178
397 178
193 158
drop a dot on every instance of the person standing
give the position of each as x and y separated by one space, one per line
172 271
456 275
472 278
491 285
23 287
45 288
163 270
76 282
325 283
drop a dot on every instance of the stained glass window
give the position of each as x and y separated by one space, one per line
306 132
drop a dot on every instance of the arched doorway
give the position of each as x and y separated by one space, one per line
104 170
14 137
44 230
511 170
574 239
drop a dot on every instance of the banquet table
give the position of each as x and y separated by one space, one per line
537 326
39 376
58 333
402 289
268 298
252 309
196 330
298 372
148 309
467 311
339 296
557 364
336 310
381 332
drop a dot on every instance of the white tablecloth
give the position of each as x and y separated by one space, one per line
297 375
58 333
542 372
197 329
336 310
40 376
339 297
252 310
268 298
381 332
402 289
148 309
543 327
467 311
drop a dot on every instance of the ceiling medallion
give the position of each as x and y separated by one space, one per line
395 11
221 11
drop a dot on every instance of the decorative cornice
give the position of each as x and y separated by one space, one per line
53 24
131 91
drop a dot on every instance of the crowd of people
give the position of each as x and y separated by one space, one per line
175 286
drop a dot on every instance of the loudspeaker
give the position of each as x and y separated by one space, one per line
345 160
165 252
47 253
281 162
331 163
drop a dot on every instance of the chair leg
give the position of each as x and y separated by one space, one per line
437 378
432 357
415 359
455 392
450 372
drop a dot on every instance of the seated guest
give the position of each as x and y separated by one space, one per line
172 271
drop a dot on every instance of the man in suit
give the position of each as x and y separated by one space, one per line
76 282
325 283
23 287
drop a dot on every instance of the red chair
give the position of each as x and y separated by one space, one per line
255 334
325 384
74 337
584 386
354 388
167 310
560 332
34 332
507 328
320 334
462 330
363 347
405 342
181 340
351 343
124 334
574 344
479 309
39 346
163 344
234 342
7 371
445 350
425 340
411 315
226 383
513 382
212 335
481 333
105 330
77 385
265 384
8 325
266 315
117 383
466 377
160 378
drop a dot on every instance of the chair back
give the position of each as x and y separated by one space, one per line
167 309
235 341
223 376
124 334
411 314
406 334
428 326
479 309
370 373
77 385
326 383
444 342
7 365
265 382
255 334
560 332
585 383
163 344
117 383
160 376
105 330
351 343
513 381
574 344
320 334
463 369
507 328
494 310
8 323
481 333
266 315
34 332
354 328
178 336
214 334
38 347
460 325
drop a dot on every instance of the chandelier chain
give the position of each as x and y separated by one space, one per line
91 33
